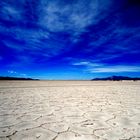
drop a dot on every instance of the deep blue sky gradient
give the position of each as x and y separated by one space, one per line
69 39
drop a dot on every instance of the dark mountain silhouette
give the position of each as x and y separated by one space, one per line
15 78
116 78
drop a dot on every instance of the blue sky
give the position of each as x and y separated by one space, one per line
69 39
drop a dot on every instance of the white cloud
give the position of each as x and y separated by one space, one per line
100 68
84 63
87 64
57 16
10 12
12 72
115 69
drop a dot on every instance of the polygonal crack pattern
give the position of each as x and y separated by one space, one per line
69 110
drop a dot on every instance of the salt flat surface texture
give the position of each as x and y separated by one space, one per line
69 110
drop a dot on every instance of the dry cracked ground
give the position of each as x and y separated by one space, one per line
69 110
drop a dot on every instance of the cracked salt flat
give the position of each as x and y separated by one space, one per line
69 110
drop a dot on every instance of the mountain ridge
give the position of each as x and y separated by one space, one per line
116 78
15 78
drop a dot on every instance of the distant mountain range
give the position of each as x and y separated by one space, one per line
15 78
111 78
116 78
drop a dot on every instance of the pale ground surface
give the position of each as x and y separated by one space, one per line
69 110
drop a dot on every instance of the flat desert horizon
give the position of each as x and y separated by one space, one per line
69 110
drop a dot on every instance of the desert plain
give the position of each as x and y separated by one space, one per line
69 110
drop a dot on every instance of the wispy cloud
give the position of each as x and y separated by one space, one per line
12 72
72 16
105 68
48 19
115 69
11 13
15 73
83 63
91 35
87 64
